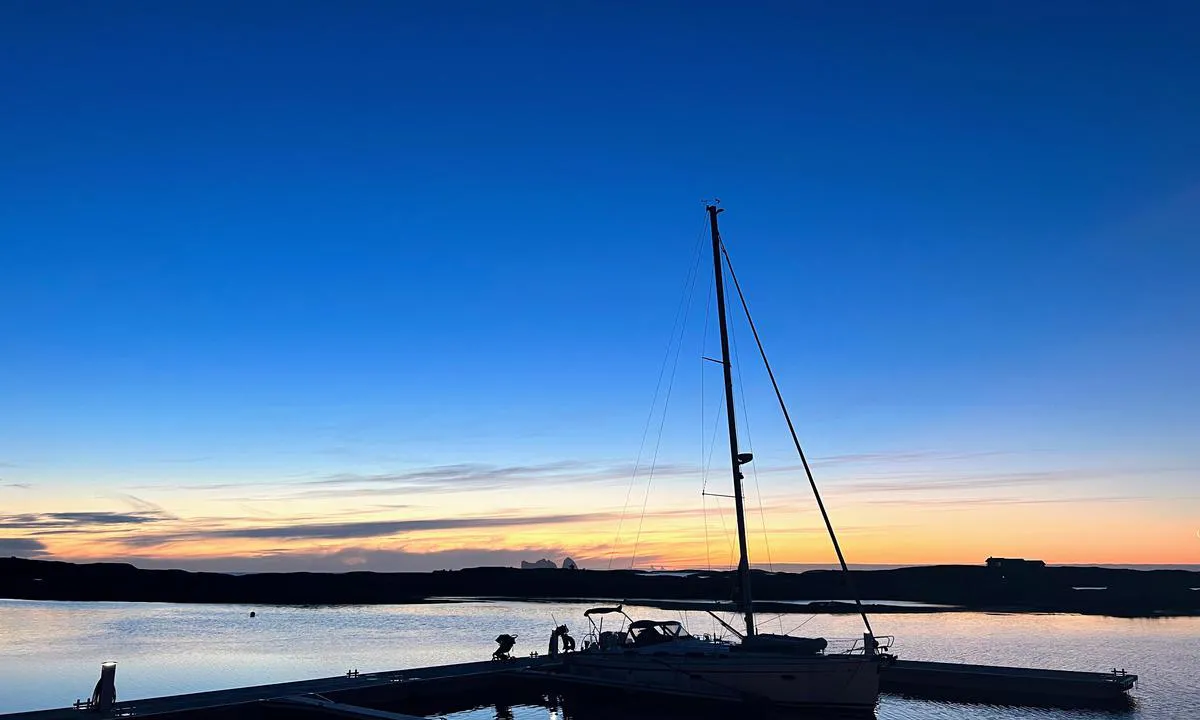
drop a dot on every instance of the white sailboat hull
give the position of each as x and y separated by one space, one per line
832 682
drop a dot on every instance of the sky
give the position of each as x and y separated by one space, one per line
403 286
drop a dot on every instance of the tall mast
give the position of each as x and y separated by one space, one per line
745 599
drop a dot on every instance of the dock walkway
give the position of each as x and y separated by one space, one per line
353 686
1006 685
363 696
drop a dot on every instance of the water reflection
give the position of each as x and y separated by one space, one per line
569 707
50 652
524 702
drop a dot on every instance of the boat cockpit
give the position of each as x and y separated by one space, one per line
643 633
630 633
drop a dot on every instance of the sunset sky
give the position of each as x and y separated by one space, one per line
392 286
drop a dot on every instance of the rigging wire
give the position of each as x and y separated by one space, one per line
679 310
666 404
708 463
750 441
703 464
789 632
709 445
762 516
796 440
772 618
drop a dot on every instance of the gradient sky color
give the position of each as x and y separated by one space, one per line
387 285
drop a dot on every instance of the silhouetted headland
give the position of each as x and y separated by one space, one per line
1002 586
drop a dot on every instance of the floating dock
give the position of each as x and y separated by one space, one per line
417 693
365 694
1006 685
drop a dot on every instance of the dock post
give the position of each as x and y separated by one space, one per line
105 693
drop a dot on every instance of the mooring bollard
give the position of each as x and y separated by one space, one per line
105 693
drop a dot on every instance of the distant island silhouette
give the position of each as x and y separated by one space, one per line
1003 584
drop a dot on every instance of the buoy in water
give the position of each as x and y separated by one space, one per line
251 613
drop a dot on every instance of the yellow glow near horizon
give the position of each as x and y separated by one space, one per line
907 509
674 536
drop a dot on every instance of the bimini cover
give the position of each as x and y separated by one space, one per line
602 611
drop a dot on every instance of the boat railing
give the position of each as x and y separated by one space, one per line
855 646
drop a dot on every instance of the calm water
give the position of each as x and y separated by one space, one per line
50 652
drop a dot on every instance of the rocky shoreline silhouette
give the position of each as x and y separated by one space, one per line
1089 590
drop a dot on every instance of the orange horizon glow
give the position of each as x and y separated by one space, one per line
677 539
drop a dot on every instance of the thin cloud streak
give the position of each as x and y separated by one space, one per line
359 559
366 528
357 530
77 521
457 478
464 474
333 493
917 482
463 477
901 457
144 506
963 502
470 476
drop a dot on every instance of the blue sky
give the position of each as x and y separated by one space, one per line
274 242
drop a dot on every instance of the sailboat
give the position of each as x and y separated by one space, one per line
661 657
